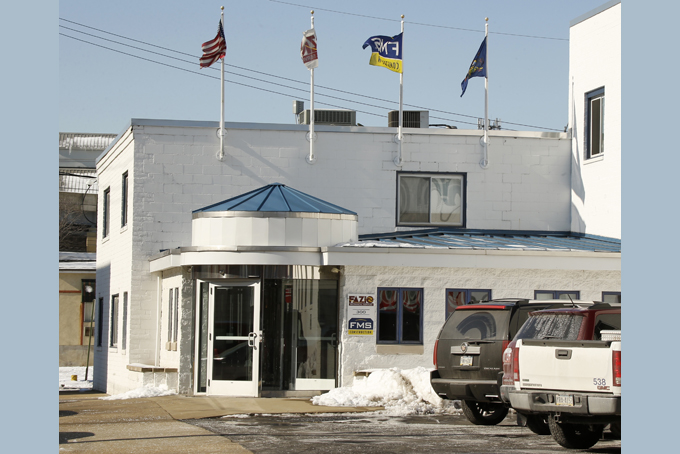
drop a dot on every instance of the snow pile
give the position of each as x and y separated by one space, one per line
146 391
400 392
65 381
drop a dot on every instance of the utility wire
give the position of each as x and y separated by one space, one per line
417 23
258 72
261 80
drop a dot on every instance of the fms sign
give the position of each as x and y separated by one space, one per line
361 314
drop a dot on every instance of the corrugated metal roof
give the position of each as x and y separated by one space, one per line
276 197
490 239
81 181
78 261
85 141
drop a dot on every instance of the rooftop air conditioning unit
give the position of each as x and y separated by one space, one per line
337 117
412 119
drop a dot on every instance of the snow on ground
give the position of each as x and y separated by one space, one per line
146 391
400 392
65 382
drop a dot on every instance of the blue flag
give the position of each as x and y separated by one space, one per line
386 51
477 68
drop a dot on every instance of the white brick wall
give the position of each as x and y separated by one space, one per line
594 62
359 352
173 170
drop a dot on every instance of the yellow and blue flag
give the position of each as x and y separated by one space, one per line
477 68
387 52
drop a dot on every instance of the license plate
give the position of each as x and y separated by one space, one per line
564 400
466 360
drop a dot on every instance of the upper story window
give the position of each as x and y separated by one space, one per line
107 212
429 199
594 127
124 201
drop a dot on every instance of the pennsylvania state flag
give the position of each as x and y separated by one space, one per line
477 68
387 52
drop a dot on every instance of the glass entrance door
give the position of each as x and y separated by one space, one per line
234 340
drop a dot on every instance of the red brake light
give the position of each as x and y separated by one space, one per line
434 355
508 362
479 306
616 363
515 364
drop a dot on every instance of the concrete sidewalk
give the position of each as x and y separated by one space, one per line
151 425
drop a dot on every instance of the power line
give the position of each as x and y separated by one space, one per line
258 72
259 80
418 23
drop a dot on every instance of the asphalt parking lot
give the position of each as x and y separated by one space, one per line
378 434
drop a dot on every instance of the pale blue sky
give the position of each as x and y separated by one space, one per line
100 90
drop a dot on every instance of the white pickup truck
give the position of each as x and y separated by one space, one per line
563 372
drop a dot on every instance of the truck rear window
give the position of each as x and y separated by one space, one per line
477 325
551 326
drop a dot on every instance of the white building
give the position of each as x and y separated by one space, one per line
595 76
261 274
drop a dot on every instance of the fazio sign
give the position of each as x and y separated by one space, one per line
361 313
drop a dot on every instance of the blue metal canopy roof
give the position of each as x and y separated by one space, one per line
276 197
507 240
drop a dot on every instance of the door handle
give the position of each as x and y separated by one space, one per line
251 340
563 354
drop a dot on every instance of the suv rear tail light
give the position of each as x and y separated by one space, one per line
507 367
515 364
434 355
616 363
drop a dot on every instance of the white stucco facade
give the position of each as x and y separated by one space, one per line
595 62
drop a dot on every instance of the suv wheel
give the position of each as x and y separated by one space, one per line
484 413
575 436
538 424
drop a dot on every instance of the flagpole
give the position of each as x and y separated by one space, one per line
221 129
485 162
398 161
311 159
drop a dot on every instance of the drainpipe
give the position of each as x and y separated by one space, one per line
158 322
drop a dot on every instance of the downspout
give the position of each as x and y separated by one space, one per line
158 323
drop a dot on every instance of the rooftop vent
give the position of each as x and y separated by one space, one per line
339 117
412 119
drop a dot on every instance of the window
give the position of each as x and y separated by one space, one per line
400 317
170 306
556 295
553 326
176 316
100 321
458 297
594 133
431 199
114 321
125 312
107 207
124 201
611 297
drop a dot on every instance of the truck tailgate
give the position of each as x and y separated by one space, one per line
583 366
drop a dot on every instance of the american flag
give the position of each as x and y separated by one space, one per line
214 49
